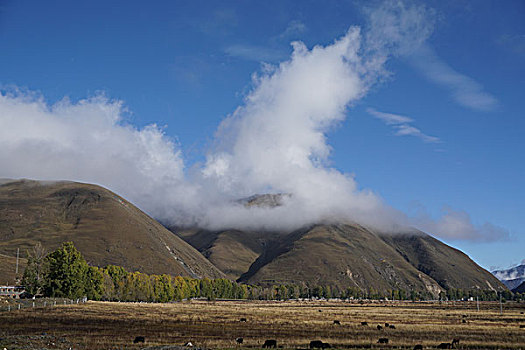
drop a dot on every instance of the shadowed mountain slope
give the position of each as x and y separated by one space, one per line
104 227
520 288
448 266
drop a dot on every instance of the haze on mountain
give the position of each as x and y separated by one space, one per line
276 142
512 277
109 230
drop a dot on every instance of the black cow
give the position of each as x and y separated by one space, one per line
317 344
387 325
522 325
337 322
383 341
270 343
139 339
243 319
445 346
455 343
364 323
418 347
392 326
239 340
379 327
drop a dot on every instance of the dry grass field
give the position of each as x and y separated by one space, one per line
104 325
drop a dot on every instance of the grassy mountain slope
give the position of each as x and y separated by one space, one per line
450 267
105 228
8 268
231 251
337 255
342 256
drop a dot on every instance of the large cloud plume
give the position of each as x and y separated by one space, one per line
274 143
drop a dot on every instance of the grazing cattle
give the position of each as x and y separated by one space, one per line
242 319
455 342
270 343
418 347
379 327
383 341
139 339
387 325
317 344
364 323
463 321
320 310
464 316
392 326
337 322
445 346
189 344
239 340
522 325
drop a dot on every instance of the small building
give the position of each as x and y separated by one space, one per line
11 291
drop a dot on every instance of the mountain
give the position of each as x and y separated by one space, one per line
342 255
519 289
104 227
512 277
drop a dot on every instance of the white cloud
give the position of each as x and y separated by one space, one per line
402 125
86 141
293 29
457 225
389 118
274 51
401 28
274 143
465 90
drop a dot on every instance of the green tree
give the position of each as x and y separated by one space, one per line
66 273
94 286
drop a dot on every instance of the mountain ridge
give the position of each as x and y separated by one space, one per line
345 256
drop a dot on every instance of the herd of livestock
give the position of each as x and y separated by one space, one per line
318 344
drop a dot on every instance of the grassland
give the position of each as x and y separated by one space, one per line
104 325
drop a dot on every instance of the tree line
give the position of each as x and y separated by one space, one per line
65 273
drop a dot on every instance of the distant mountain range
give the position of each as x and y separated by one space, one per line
512 277
107 229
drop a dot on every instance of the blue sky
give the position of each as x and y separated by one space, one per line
443 129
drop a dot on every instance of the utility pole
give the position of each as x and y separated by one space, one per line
17 256
477 302
500 305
